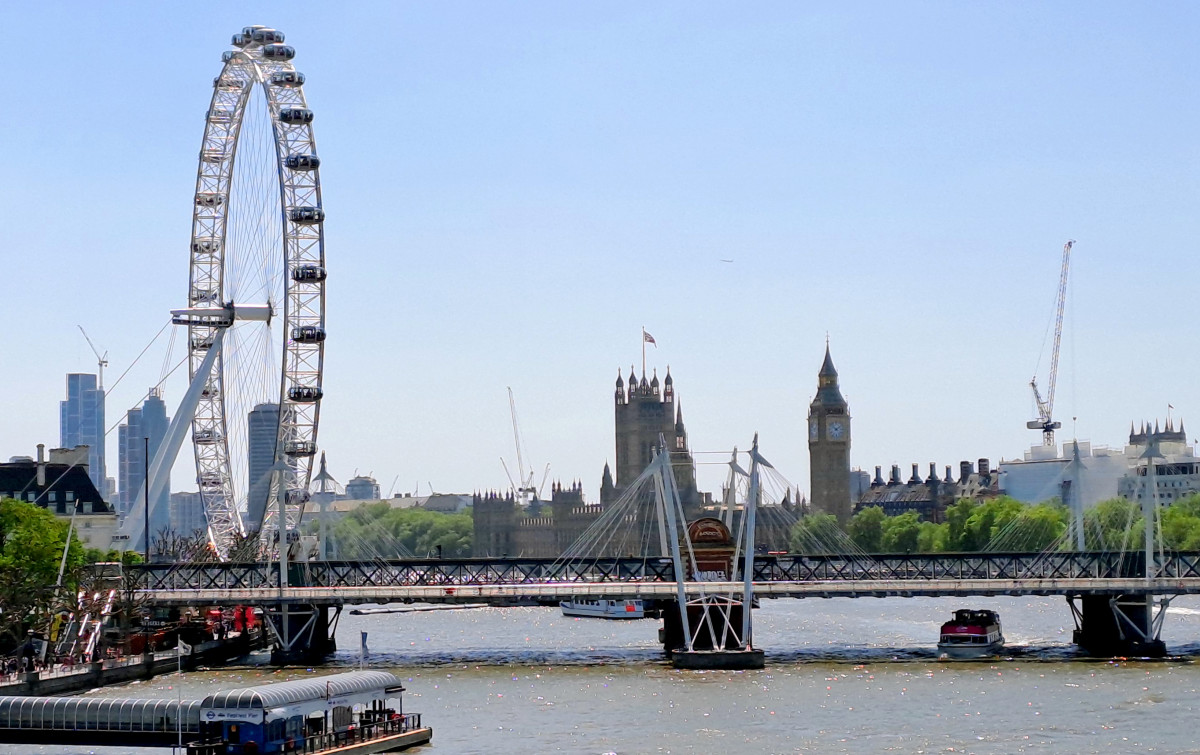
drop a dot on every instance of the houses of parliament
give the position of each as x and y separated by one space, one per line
646 410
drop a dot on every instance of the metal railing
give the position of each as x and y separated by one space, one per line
401 724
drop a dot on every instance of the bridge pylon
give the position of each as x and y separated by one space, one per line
711 628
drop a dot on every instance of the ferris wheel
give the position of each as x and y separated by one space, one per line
256 295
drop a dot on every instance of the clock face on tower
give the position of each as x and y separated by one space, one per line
812 429
836 430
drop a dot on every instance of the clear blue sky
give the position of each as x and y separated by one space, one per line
514 189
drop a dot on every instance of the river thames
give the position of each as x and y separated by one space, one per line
842 676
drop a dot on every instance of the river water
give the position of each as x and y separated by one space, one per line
842 676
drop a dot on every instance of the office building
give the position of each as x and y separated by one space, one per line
143 426
81 423
262 434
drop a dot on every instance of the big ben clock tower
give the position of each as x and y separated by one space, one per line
829 445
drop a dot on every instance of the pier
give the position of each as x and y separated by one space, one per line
353 713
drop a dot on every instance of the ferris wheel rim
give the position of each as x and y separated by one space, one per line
259 60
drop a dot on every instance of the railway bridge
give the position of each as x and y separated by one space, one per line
1117 603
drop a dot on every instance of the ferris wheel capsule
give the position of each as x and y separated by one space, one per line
279 52
287 79
306 215
265 36
309 274
308 334
295 115
210 199
304 394
300 448
206 245
302 162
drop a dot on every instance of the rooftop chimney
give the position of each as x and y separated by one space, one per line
878 477
916 476
895 480
985 467
932 472
965 469
41 466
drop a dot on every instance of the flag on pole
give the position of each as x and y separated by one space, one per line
184 648
647 338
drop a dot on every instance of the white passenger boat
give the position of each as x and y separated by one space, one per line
603 609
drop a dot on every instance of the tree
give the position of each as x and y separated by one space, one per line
958 538
31 549
900 533
990 520
1181 524
866 529
931 538
379 531
816 535
1115 524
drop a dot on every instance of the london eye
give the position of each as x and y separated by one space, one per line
256 296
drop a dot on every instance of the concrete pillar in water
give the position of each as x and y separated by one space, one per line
1112 625
719 638
302 634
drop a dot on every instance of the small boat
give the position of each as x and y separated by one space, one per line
603 609
971 634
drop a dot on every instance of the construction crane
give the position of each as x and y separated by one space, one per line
1045 407
101 361
523 487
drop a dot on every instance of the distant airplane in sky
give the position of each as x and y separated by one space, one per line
727 260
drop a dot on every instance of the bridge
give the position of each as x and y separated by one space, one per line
501 580
1111 597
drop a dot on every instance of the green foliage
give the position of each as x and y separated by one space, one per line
376 530
31 548
96 556
815 535
1000 523
1115 524
1181 524
1038 527
901 533
866 529
931 538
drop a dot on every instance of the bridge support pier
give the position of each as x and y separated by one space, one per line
301 634
715 626
1119 625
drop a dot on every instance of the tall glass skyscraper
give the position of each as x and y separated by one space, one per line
149 421
81 423
263 428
